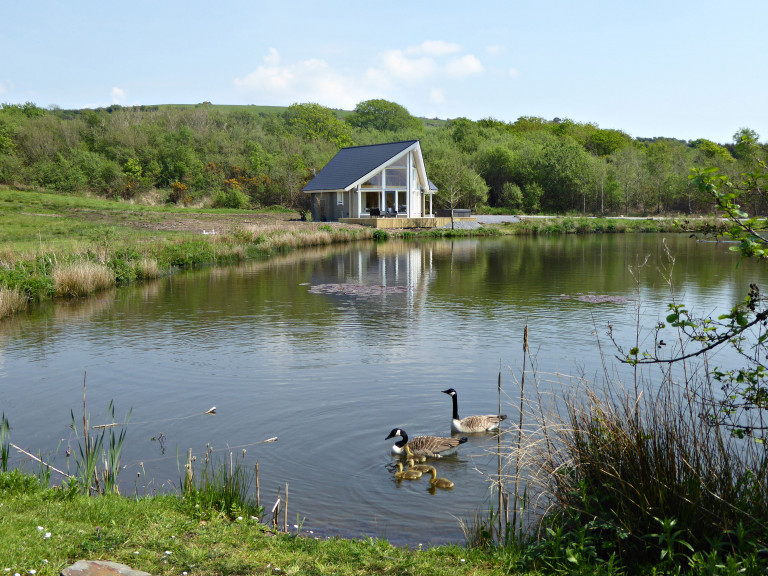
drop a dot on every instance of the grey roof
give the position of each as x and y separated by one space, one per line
351 164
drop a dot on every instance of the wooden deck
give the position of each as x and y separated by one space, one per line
399 222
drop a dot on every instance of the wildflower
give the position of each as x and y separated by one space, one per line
167 552
40 528
47 535
33 572
462 560
239 517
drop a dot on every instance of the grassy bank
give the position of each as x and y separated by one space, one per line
64 246
44 530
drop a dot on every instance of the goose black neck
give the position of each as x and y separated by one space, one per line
404 441
455 406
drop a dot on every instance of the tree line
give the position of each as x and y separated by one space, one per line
249 157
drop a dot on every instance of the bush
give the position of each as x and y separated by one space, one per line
233 198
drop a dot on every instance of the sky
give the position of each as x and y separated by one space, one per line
675 68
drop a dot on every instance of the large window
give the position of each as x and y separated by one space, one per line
397 173
374 182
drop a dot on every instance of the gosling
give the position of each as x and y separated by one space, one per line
443 483
406 474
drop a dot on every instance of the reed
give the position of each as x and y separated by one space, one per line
222 484
148 269
5 446
81 278
97 463
12 300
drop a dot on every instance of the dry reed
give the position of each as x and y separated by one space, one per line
81 278
12 300
148 269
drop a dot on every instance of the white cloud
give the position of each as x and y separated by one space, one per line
310 80
464 66
397 64
514 72
495 50
395 74
434 48
118 95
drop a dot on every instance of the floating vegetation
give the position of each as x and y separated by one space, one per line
357 290
594 298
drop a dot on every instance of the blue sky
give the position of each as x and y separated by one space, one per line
677 68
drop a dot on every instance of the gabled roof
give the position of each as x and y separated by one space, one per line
350 165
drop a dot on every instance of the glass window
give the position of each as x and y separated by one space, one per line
396 177
374 182
400 163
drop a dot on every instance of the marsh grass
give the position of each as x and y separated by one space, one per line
12 300
626 478
81 278
222 484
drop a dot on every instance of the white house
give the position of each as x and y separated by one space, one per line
376 181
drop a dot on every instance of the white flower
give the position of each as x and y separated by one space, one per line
32 571
239 517
167 552
47 535
462 560
40 528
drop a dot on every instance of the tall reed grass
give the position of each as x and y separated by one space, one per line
632 477
81 278
12 300
221 484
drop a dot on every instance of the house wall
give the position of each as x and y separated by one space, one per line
325 206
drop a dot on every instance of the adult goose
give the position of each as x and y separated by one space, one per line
485 423
429 446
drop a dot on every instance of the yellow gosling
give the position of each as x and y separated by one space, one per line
406 474
443 483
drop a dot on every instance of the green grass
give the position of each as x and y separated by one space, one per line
48 529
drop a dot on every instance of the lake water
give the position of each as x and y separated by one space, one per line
330 349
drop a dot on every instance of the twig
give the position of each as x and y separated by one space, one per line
39 460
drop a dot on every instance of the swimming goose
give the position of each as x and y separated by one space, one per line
406 474
443 483
429 446
485 423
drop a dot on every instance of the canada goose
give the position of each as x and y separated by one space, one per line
409 455
443 483
406 474
420 467
485 423
429 446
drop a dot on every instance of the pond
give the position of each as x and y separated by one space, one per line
329 349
